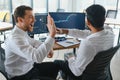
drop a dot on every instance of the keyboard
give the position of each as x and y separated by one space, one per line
57 39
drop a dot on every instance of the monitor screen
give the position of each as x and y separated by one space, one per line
69 20
40 23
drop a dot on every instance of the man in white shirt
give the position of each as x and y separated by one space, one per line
96 39
24 54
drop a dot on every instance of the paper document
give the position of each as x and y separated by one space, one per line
68 42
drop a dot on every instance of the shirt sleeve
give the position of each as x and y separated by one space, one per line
85 55
20 46
79 33
33 42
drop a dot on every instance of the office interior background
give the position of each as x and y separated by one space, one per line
42 6
7 8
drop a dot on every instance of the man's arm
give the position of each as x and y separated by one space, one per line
84 56
23 48
74 32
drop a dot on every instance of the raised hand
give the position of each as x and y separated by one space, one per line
61 31
51 26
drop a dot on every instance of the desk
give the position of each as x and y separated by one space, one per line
59 47
5 26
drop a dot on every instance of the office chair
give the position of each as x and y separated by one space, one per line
4 18
99 68
13 20
2 59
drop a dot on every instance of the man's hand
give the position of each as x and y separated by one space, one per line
61 31
50 55
51 26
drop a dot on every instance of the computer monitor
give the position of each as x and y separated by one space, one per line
60 10
40 23
69 20
111 14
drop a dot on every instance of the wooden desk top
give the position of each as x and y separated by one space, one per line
59 47
5 26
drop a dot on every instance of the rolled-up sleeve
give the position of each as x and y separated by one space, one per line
79 33
30 53
44 49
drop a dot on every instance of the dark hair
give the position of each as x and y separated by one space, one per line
96 15
20 11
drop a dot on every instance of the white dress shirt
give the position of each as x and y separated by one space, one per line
22 51
91 44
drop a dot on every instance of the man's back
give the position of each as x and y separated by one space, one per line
89 47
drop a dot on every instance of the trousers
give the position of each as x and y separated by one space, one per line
66 72
40 71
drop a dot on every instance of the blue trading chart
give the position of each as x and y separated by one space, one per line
69 20
40 24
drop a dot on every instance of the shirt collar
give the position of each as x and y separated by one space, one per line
20 30
97 34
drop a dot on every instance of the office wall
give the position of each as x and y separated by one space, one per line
81 5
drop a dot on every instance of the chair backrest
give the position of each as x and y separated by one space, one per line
4 18
13 20
2 59
101 63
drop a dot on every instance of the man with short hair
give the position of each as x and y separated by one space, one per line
96 39
24 55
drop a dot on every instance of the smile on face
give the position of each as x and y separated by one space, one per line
28 21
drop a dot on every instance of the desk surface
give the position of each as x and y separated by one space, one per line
5 26
59 47
112 21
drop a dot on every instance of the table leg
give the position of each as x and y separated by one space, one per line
74 50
